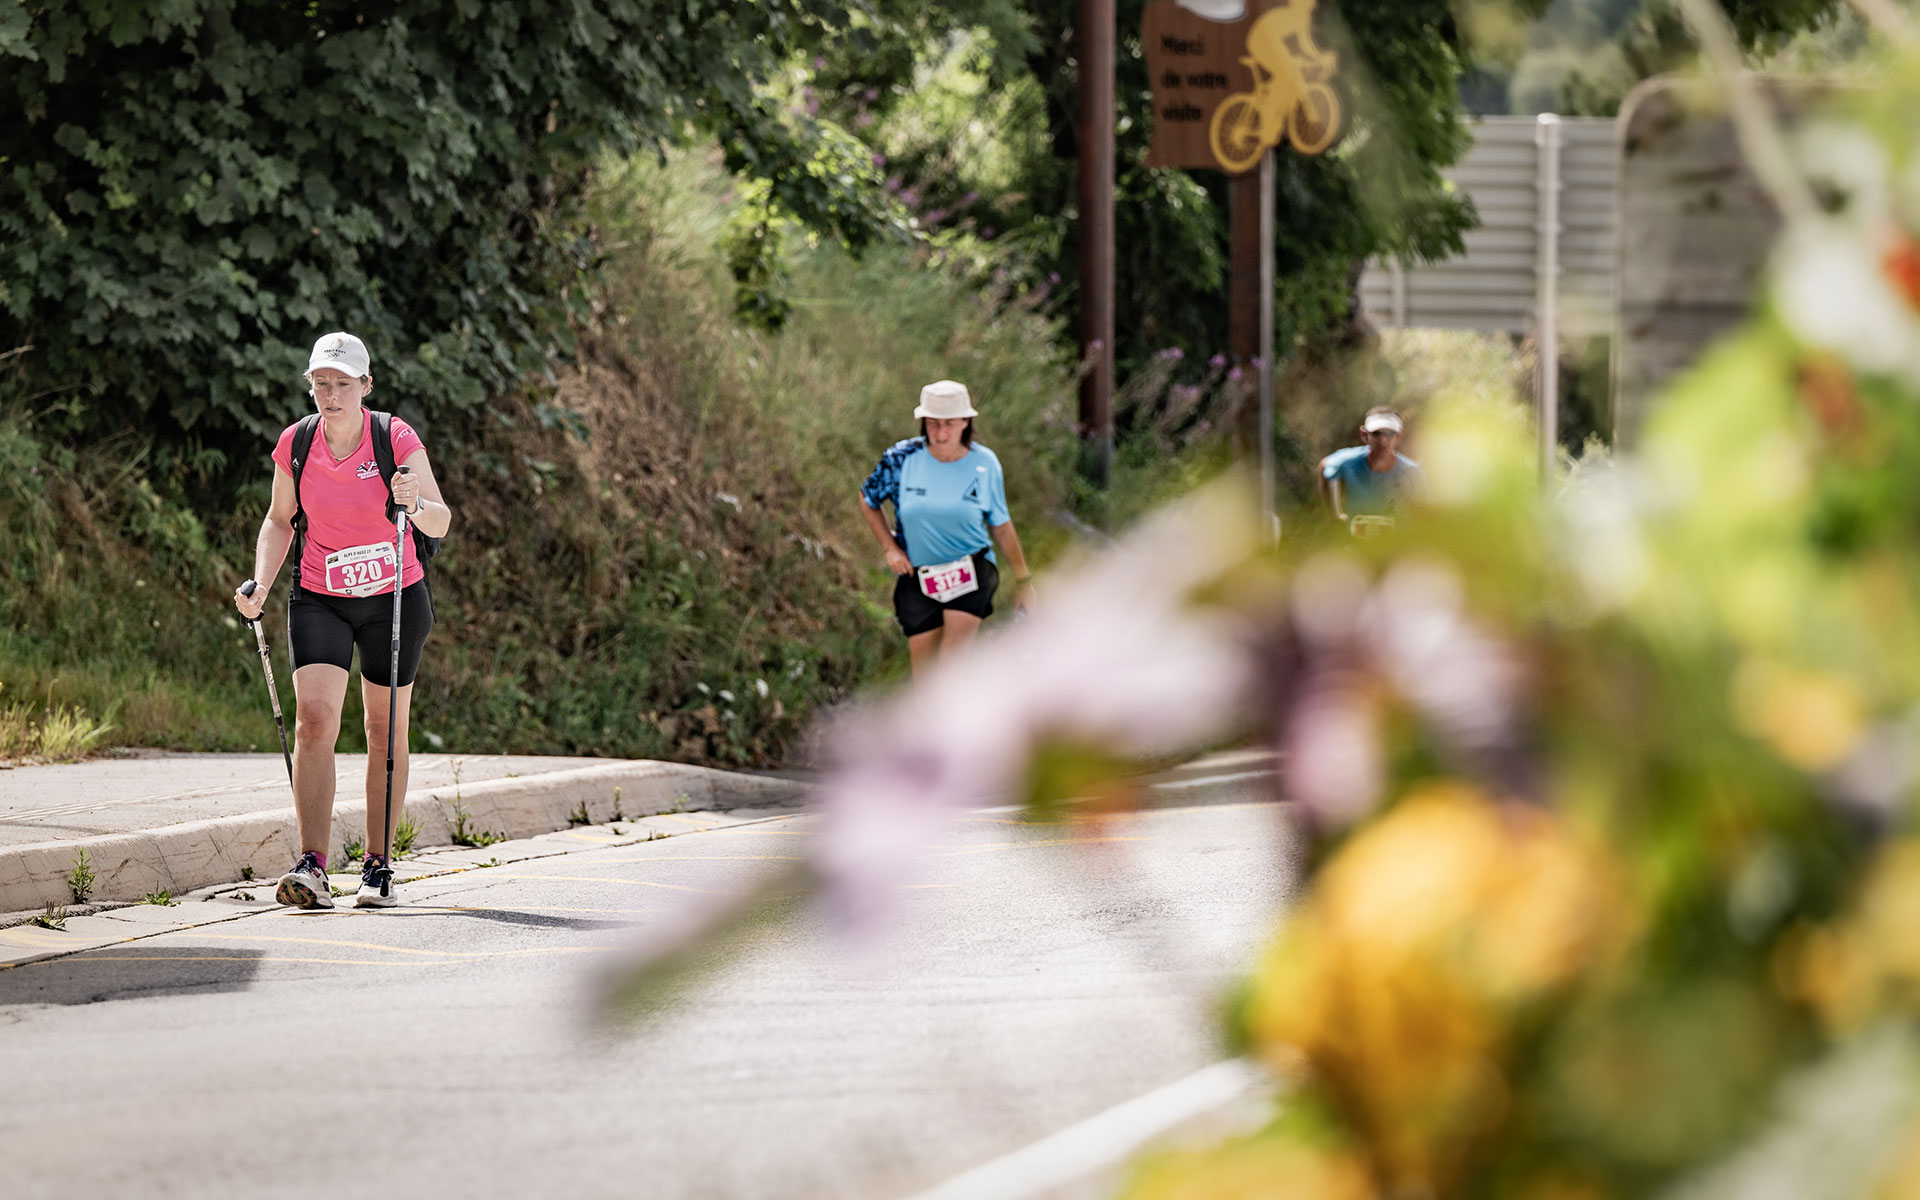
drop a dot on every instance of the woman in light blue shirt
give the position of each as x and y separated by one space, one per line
950 509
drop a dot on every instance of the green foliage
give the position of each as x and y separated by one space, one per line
194 189
1583 56
983 144
52 917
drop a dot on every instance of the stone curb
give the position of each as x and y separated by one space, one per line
196 854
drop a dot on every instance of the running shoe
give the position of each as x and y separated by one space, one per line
376 885
306 885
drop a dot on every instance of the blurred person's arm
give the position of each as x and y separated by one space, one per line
1007 541
876 521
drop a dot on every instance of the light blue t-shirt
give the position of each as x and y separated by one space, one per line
941 509
1372 493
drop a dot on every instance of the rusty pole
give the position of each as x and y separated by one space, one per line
1096 30
1250 209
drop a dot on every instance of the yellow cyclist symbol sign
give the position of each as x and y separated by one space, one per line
1292 96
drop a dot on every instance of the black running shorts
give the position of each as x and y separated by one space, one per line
918 613
325 629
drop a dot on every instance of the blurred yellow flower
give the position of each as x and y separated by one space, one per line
1400 972
1901 1181
1264 1167
1850 971
1812 719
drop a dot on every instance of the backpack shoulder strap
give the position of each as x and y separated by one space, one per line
303 435
383 452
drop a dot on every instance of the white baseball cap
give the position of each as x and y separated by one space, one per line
342 352
1381 420
944 401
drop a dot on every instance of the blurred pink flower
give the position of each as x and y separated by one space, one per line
1116 658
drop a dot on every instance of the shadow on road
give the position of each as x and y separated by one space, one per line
129 973
507 916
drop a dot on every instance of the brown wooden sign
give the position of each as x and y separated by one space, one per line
1226 92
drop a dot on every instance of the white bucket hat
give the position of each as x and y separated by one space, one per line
945 400
342 352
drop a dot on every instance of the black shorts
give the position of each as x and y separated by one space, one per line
919 613
325 629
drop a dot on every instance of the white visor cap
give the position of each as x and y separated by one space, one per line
1378 421
342 352
945 400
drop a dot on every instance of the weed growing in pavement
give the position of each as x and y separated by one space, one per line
243 895
354 850
406 831
618 832
163 897
53 918
465 834
492 862
338 890
617 814
80 879
680 803
579 816
246 874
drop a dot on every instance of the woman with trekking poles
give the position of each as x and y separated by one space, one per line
347 482
950 510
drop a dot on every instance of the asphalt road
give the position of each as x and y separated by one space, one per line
1036 976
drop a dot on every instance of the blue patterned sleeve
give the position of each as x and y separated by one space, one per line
884 484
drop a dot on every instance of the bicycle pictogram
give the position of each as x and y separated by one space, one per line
1292 97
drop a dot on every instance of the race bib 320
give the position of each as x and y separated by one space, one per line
361 570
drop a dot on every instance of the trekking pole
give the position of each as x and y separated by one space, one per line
273 694
393 679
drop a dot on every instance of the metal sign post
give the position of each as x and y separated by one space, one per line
1231 84
1096 29
1547 305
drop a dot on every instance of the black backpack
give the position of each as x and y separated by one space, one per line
424 547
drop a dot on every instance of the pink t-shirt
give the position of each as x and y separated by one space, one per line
345 502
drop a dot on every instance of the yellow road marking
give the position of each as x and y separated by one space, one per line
287 958
312 941
525 908
40 939
672 887
1071 841
712 858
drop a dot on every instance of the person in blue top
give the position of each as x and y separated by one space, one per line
1368 486
950 507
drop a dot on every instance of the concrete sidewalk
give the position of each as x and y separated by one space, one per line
154 821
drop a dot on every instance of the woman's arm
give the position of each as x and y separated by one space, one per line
270 547
876 521
419 492
1007 541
